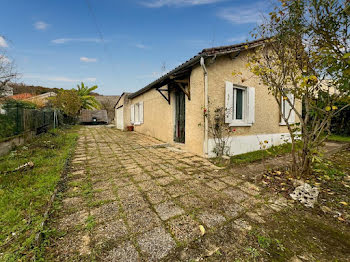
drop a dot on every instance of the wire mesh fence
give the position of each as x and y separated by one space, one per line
17 119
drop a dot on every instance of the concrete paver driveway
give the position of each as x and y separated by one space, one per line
129 199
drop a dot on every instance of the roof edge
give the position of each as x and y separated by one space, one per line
221 50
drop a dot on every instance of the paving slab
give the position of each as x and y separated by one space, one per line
168 209
156 244
129 201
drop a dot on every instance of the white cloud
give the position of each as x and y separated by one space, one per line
177 3
141 46
87 59
251 14
3 42
40 25
66 40
59 78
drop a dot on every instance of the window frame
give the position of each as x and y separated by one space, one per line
136 114
243 121
284 106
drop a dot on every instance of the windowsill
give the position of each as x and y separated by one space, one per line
137 124
240 124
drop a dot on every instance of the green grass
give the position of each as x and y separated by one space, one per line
24 195
261 154
338 138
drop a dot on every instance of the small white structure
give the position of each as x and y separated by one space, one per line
6 91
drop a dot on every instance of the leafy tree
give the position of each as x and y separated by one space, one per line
307 52
68 101
88 101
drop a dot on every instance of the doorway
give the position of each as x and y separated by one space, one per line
179 134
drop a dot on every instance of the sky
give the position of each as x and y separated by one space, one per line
121 46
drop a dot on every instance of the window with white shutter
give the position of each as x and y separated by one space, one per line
141 112
132 114
137 113
239 105
287 109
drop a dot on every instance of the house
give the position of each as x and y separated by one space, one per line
107 103
6 90
173 108
122 112
93 116
22 96
41 100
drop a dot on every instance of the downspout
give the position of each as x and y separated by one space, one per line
206 102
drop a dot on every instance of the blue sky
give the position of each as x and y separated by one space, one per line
118 45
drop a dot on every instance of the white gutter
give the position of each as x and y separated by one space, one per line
206 102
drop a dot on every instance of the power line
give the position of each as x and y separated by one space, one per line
96 24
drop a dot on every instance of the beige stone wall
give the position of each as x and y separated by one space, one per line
267 118
194 113
157 116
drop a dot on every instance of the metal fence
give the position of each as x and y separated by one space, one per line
16 120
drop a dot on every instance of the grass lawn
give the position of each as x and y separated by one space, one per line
261 154
24 195
338 138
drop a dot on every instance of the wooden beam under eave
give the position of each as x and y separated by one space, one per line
182 81
187 92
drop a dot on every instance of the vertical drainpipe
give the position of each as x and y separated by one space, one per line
206 102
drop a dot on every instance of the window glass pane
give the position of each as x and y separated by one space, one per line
239 104
137 113
233 104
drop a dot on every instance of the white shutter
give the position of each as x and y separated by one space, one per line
288 111
141 112
132 114
228 102
251 105
283 113
291 119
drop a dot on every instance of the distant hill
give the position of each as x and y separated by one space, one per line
20 88
34 90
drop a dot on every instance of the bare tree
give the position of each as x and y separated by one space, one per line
7 70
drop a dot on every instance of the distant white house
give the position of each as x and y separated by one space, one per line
6 91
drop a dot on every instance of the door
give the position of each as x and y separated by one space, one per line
120 118
179 135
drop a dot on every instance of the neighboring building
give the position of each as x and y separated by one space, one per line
6 91
41 100
93 116
172 108
22 96
108 103
122 112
